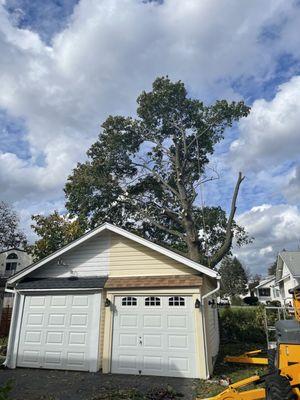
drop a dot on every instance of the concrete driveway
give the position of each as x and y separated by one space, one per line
35 384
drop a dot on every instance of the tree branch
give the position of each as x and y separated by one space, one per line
159 178
217 257
164 228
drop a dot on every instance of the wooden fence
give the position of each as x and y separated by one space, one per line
5 321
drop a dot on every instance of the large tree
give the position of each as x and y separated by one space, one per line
54 231
233 277
10 233
145 173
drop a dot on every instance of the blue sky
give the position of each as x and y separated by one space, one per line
66 65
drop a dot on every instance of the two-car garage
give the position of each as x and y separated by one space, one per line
152 335
115 302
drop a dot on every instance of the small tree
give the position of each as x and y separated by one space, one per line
233 277
10 234
55 231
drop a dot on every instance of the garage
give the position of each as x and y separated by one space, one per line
115 302
57 332
154 335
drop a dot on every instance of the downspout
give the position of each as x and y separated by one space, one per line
12 325
205 296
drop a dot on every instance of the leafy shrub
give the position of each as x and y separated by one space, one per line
251 300
236 301
242 324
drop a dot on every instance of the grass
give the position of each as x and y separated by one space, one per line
235 372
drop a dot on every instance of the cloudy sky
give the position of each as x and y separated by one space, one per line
65 65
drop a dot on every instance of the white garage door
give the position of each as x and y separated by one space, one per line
154 335
60 332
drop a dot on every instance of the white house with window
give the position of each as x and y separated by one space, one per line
12 261
287 273
266 291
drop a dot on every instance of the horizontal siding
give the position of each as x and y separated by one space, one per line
128 258
212 325
88 259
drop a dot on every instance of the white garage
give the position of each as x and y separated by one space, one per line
115 302
59 331
154 335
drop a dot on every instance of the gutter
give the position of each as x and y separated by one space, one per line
205 296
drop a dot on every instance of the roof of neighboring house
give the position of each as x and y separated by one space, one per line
13 249
63 283
265 281
112 228
292 261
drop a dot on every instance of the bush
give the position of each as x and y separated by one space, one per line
251 301
242 324
236 301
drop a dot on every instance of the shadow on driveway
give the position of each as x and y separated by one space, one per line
36 384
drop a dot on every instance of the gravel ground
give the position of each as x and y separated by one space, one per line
35 384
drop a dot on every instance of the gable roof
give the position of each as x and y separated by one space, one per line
13 249
292 261
120 231
265 281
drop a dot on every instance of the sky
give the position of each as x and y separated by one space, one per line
66 65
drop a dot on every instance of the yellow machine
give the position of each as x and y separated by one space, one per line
283 380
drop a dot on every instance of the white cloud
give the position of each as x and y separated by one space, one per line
104 58
273 228
270 135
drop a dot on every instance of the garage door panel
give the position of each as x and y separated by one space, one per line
35 320
37 301
178 342
152 365
80 301
127 362
128 321
33 337
31 357
53 357
56 320
64 337
128 340
58 301
79 320
154 340
152 321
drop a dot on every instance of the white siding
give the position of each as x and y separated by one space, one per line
88 259
212 325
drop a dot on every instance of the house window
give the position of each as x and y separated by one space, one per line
176 301
129 301
11 264
264 292
152 301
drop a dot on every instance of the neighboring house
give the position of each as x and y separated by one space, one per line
12 261
287 273
267 291
115 301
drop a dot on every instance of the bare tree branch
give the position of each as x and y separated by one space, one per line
217 257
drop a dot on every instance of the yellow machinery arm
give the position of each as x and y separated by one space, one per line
247 358
231 393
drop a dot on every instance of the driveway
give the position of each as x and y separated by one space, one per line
35 384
